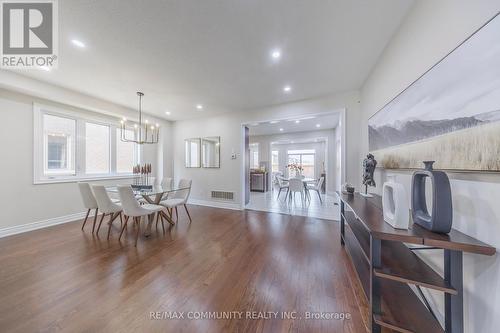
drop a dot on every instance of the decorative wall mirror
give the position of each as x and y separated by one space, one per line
210 152
192 152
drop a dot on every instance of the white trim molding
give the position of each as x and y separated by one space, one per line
215 204
14 230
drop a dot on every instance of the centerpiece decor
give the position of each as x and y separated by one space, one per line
297 168
142 176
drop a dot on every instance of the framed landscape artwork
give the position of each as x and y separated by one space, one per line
450 115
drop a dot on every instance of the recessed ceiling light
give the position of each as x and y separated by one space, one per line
45 68
276 54
287 89
292 142
274 122
167 113
297 121
318 125
78 43
199 107
281 130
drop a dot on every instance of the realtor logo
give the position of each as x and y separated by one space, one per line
29 34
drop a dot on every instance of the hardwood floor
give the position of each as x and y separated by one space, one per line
63 279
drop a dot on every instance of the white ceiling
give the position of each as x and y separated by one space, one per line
217 53
305 124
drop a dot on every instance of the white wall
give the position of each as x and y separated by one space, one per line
431 30
325 151
24 203
229 127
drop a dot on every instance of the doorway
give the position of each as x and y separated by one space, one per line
309 148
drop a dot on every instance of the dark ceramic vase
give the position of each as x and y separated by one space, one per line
440 219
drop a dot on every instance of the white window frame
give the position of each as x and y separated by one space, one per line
81 118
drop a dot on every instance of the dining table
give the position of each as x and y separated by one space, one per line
152 195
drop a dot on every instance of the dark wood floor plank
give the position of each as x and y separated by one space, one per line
63 279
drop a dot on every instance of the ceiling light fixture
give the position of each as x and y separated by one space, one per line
276 54
281 130
167 113
78 43
274 122
318 125
287 89
141 135
297 121
199 107
45 68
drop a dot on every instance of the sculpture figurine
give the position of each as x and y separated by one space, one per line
369 164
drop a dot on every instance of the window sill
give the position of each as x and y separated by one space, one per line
75 179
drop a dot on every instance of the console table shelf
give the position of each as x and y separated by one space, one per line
386 267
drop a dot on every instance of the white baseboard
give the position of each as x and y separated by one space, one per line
4 232
216 204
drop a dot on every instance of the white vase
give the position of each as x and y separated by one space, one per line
395 204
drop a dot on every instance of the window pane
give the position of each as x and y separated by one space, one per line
59 145
293 159
275 161
125 152
308 165
254 155
96 148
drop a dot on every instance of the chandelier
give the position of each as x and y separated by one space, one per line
144 133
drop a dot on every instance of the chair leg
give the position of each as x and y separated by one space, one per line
112 217
157 217
176 215
187 211
86 217
123 228
162 222
138 222
121 220
95 219
100 222
319 196
279 192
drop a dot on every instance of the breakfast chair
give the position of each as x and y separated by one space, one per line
132 208
317 187
107 207
89 202
296 185
282 184
179 198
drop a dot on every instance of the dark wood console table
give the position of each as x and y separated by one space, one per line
386 267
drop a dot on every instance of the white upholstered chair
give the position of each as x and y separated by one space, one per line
89 202
106 206
179 198
282 184
317 187
295 185
167 183
131 208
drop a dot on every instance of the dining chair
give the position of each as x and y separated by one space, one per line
107 207
89 202
282 184
167 183
295 185
317 187
131 208
179 198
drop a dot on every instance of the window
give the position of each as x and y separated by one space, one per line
58 145
70 146
306 159
275 163
126 155
254 156
97 147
